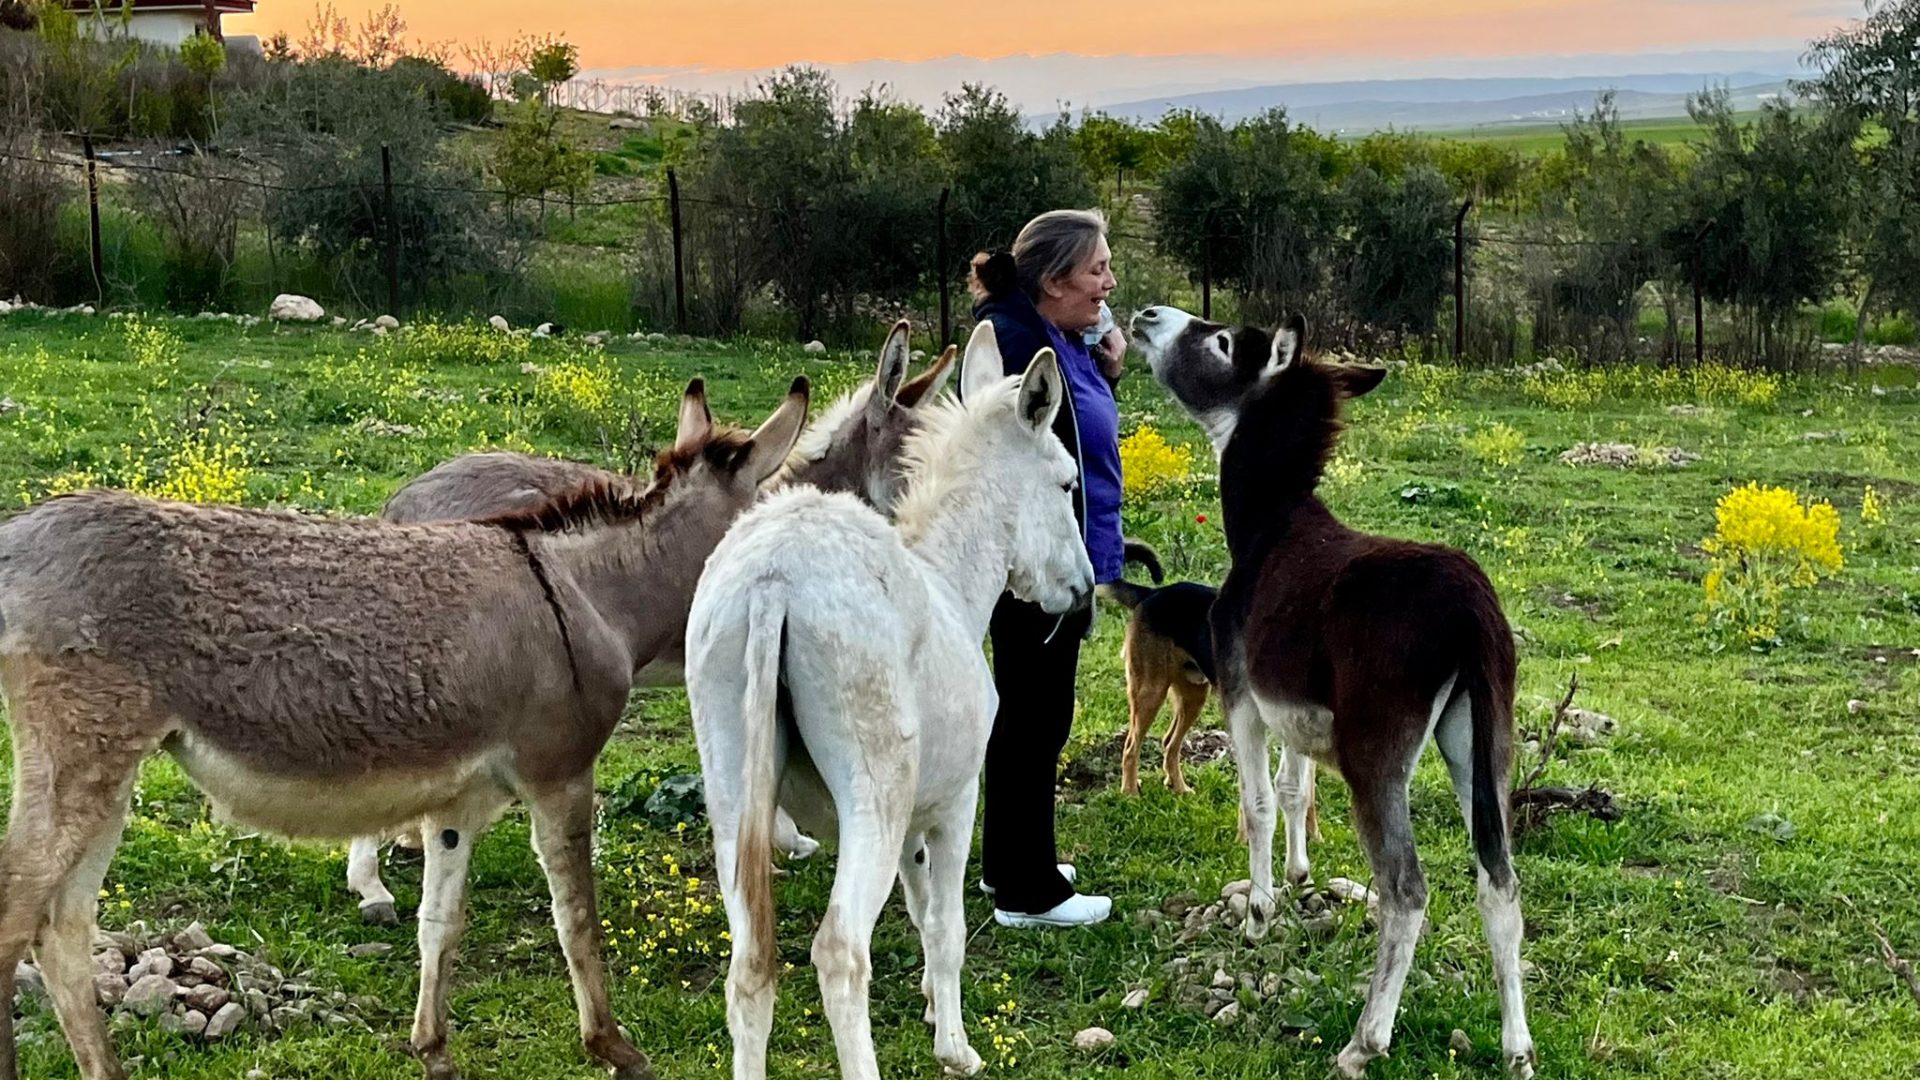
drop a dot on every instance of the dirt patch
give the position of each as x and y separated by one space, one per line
1844 488
1800 983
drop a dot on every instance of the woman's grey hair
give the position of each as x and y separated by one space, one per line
1052 246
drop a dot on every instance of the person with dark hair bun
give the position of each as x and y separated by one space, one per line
1050 291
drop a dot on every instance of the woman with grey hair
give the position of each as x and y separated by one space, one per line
1050 291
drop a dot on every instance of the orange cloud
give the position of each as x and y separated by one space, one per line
732 34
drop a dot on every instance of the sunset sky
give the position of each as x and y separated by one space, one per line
1210 41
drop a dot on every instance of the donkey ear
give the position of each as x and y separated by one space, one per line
1287 343
696 421
1042 389
930 382
890 374
772 441
1355 381
981 367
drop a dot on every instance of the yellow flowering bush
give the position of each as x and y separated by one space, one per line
1149 465
1873 514
1499 444
1708 384
1766 542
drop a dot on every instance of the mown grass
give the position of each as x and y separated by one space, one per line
1677 942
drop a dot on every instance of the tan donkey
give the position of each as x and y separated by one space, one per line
334 678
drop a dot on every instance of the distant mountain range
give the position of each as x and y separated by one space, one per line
1437 104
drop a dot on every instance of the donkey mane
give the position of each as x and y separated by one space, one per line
817 439
613 499
946 448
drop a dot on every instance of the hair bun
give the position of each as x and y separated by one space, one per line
994 274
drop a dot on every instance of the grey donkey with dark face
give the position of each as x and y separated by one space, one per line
327 678
853 446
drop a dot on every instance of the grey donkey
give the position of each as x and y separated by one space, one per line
328 678
854 446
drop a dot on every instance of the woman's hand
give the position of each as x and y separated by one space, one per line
1113 351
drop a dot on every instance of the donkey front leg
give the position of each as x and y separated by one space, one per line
1249 731
1381 817
442 917
563 837
363 877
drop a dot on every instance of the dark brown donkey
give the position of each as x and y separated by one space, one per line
328 678
1354 649
853 446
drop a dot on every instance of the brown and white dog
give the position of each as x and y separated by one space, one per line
1354 649
1168 652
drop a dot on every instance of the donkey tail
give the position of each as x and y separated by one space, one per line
753 866
1487 679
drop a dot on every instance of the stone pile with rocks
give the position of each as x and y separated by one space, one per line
190 984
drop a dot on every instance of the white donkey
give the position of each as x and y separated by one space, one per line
834 666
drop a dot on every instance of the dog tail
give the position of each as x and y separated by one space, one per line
1125 593
753 867
1140 553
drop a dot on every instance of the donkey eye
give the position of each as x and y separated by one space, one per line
1069 486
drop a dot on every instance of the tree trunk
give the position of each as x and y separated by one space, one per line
1858 356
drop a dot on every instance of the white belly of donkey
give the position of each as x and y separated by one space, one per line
1305 728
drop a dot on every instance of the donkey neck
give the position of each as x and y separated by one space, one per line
966 542
637 576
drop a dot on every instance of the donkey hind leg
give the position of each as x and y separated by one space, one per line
1499 904
872 834
916 883
943 932
1146 692
363 877
1250 759
1385 827
1188 699
450 837
1294 782
563 837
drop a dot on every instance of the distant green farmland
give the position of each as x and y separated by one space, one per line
1533 139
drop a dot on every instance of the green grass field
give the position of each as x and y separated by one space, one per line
1682 941
1531 140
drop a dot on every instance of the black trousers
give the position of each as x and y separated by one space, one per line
1035 677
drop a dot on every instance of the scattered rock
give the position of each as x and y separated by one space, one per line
1270 984
373 425
815 347
1237 905
26 978
8 405
1352 892
1221 980
387 322
288 307
226 1021
1824 436
1135 999
1684 410
207 970
287 1015
1322 926
191 1022
1228 1014
150 995
595 339
500 323
1585 727
369 948
1093 1039
1243 887
110 962
1628 456
1856 706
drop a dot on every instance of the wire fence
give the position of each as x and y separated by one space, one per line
698 260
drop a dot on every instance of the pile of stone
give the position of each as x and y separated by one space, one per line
195 986
1628 456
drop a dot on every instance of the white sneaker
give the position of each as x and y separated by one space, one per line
1075 910
1066 871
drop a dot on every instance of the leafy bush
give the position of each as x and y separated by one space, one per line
1149 465
1766 543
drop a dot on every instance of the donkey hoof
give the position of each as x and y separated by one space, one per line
803 847
1352 1062
1520 1065
440 1067
379 914
640 1071
966 1063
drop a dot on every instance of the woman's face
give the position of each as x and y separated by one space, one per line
1073 302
